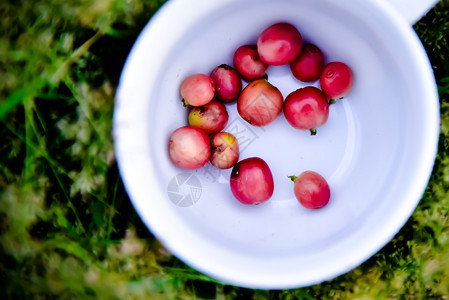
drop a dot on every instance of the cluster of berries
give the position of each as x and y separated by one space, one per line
259 103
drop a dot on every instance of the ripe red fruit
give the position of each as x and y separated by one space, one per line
336 80
225 150
309 64
279 44
189 148
311 189
306 109
228 83
252 181
248 64
260 103
212 117
197 89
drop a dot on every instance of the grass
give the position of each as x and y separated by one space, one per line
67 228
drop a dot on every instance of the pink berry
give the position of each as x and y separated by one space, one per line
309 64
228 83
260 103
336 80
248 64
279 44
225 150
189 148
306 109
252 181
197 89
212 117
311 189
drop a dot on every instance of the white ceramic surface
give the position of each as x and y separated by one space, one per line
413 10
376 150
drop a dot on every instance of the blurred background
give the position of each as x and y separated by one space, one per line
67 227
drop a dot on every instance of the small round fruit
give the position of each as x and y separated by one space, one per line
309 64
212 117
248 64
306 109
189 148
224 150
260 103
228 83
311 189
197 89
279 44
336 80
252 181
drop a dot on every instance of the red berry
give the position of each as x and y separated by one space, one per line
309 64
260 103
189 148
306 109
225 150
197 89
279 44
311 189
212 117
228 83
252 181
336 80
248 64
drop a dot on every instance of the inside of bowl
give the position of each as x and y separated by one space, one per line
372 150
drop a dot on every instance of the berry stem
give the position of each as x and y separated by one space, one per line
185 102
293 178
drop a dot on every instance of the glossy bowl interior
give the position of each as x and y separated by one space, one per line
376 150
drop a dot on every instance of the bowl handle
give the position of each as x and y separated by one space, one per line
413 10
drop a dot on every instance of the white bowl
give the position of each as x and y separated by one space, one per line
376 150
